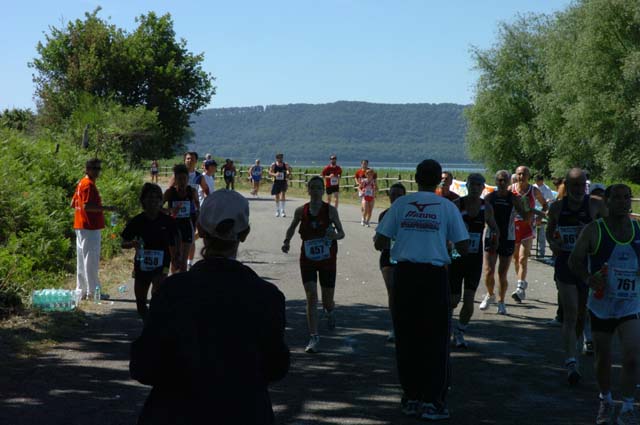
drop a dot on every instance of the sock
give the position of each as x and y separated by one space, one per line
282 206
606 397
627 404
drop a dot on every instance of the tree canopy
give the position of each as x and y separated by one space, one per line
147 67
561 91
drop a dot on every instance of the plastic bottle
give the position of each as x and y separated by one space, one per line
114 219
97 294
604 270
141 252
122 289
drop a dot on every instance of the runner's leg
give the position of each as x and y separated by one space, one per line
525 252
602 345
141 288
311 292
629 333
569 298
490 260
503 269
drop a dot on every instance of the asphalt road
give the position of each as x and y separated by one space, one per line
511 373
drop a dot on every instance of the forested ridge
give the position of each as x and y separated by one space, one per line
353 130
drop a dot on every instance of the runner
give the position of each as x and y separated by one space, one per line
183 204
280 171
421 224
154 171
207 180
524 227
567 218
154 236
504 204
369 188
255 175
540 222
191 160
332 174
386 263
320 228
229 173
358 176
476 213
610 248
446 182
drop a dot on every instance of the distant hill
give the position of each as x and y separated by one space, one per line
352 130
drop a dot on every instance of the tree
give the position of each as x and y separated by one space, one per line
146 67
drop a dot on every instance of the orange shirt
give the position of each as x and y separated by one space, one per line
87 192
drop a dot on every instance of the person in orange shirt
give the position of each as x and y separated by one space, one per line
88 222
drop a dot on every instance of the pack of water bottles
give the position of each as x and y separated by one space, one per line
55 299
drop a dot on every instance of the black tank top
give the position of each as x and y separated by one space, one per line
570 223
475 225
502 211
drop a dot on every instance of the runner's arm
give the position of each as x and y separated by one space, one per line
490 221
297 216
204 186
578 258
538 195
335 219
552 226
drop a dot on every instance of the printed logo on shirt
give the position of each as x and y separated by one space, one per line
420 206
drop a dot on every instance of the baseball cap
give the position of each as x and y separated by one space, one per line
596 186
210 162
224 205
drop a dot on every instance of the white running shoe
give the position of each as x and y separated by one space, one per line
519 294
278 213
487 301
362 222
312 346
392 336
283 214
502 309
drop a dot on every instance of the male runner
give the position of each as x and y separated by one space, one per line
446 182
229 174
607 257
567 218
476 213
524 227
255 175
191 160
320 228
280 171
332 174
505 204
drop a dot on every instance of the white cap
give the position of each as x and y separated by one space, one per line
224 205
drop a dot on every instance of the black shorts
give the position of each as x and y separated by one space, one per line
609 325
505 248
332 189
229 179
467 269
562 273
154 173
279 186
185 228
311 274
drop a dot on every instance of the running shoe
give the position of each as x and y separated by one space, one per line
434 413
519 294
312 346
331 320
283 214
368 225
605 413
628 417
573 374
278 213
362 222
555 323
502 309
392 336
487 301
587 349
409 407
458 338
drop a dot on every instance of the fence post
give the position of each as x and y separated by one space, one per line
411 183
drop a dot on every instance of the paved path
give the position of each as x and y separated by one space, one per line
511 373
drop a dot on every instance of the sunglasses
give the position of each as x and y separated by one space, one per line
501 180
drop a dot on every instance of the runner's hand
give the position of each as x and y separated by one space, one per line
285 247
596 281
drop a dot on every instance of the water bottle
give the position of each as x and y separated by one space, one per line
114 219
141 253
122 289
454 253
604 270
97 294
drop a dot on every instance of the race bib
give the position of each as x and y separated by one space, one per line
474 242
317 249
333 181
228 173
569 235
152 259
280 176
184 209
623 283
368 192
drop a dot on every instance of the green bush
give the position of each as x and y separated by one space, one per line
36 222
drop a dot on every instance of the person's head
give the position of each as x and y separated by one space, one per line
514 178
257 162
190 160
210 166
503 179
369 173
208 156
395 191
227 161
364 164
618 199
428 174
223 223
315 187
575 184
279 157
181 175
539 179
475 185
333 159
446 179
93 167
597 189
557 181
522 174
151 198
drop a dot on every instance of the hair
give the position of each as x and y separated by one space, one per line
611 188
503 173
333 156
476 177
557 181
398 186
279 155
148 188
180 169
364 160
448 173
193 154
539 177
92 163
315 178
428 173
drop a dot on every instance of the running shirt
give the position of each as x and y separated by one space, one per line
210 181
316 249
421 223
256 173
281 172
571 223
327 171
368 189
186 207
194 179
87 192
229 171
158 235
475 226
504 213
622 291
528 202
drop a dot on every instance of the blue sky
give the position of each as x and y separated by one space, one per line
304 51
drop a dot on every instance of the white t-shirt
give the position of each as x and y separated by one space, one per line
210 182
546 192
421 224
